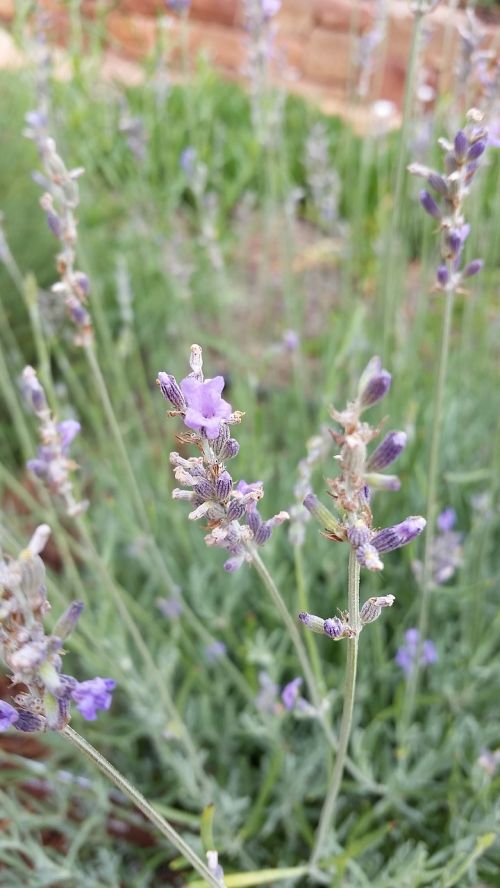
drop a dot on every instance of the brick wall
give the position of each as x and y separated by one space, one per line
319 41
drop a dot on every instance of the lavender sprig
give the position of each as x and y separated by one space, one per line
59 203
461 162
52 463
230 508
33 658
351 489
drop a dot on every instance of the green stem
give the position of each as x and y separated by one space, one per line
325 822
314 691
388 288
432 500
138 799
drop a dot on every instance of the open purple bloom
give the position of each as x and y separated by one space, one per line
206 409
92 695
68 430
290 693
8 715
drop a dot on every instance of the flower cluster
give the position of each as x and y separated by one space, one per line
33 658
461 162
338 627
52 463
231 509
59 203
271 700
361 473
447 552
406 656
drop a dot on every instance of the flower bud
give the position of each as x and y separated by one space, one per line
438 183
476 150
262 534
372 608
334 627
322 515
473 268
171 390
235 510
399 534
382 482
67 622
429 204
442 275
223 486
373 386
29 722
387 451
461 144
315 624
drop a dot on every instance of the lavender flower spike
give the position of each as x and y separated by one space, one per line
399 534
387 451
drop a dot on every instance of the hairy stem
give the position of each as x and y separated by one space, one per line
314 691
327 813
141 802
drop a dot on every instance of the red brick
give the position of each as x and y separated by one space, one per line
327 56
342 15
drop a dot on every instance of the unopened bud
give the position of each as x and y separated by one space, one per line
372 608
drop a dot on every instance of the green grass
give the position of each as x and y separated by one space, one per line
435 823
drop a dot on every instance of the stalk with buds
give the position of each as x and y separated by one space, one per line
360 474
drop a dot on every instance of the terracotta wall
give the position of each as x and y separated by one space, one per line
317 42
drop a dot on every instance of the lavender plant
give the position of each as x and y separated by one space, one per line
462 158
360 474
52 463
34 660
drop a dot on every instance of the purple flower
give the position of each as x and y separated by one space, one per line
206 409
447 519
244 488
215 651
290 693
68 430
387 451
8 715
399 534
92 695
188 160
407 654
429 204
291 340
442 275
171 608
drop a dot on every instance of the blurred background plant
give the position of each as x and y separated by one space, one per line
272 253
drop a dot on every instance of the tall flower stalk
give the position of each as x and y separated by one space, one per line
351 490
451 188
